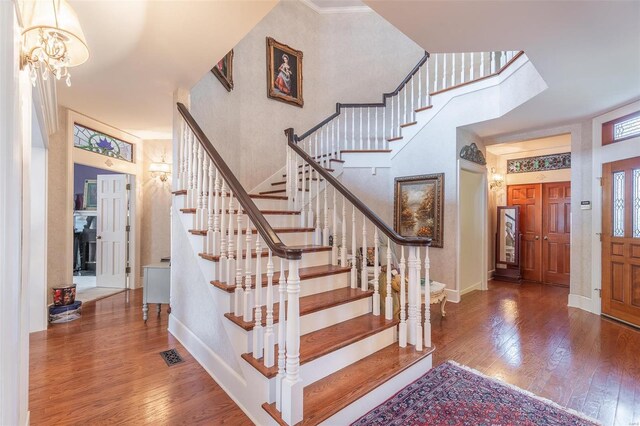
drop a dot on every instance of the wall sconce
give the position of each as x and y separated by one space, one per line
161 170
52 39
497 180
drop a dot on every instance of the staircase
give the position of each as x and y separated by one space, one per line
304 337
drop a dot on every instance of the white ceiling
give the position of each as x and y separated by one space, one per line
588 52
532 145
142 50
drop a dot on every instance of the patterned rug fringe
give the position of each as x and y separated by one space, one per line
526 392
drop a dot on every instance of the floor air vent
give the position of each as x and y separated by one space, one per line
171 357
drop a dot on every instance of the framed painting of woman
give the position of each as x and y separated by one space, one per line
223 70
284 73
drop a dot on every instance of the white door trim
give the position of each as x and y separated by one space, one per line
483 211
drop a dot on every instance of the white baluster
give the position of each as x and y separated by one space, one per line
388 300
290 179
183 131
427 306
462 69
361 135
334 245
234 268
376 273
305 184
309 223
435 76
368 128
354 272
444 71
325 233
493 62
419 333
333 140
453 69
402 328
404 115
472 65
482 64
338 139
375 131
234 256
258 331
399 95
413 282
214 237
420 86
353 128
223 262
343 252
428 94
292 384
393 129
192 167
317 235
503 59
294 176
197 222
413 105
364 273
345 142
384 128
211 195
282 291
269 336
248 296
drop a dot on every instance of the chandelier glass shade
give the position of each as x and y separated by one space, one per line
52 39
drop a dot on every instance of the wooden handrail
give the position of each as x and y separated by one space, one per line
292 141
369 105
255 215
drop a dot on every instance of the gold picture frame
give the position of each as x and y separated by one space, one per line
223 70
418 207
284 73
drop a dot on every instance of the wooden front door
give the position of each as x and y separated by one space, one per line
528 197
621 240
556 231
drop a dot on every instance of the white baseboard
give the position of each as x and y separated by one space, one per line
217 368
581 302
452 295
476 286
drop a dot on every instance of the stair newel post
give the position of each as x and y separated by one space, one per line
248 296
364 273
462 68
303 212
258 331
376 273
212 194
354 272
343 252
411 293
214 238
472 64
388 300
482 64
197 222
269 337
282 292
402 328
435 75
493 62
419 332
334 230
292 386
325 231
427 299
453 70
223 263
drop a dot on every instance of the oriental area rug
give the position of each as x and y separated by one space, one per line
452 394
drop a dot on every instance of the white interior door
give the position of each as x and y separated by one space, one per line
111 235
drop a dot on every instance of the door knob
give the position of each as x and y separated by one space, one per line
537 237
98 237
545 238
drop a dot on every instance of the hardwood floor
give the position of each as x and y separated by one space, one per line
106 368
527 336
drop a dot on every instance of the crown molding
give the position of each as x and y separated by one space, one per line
332 10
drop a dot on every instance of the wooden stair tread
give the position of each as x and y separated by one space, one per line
397 138
329 339
282 182
269 197
327 396
412 123
424 108
204 232
308 304
307 273
180 192
273 191
305 249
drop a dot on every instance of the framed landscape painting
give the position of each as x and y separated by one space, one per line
418 204
284 73
223 70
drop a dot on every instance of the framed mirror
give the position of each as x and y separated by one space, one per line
508 232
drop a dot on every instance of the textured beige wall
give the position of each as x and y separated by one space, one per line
156 196
342 63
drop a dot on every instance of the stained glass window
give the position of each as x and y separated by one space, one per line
91 140
618 204
627 128
540 163
636 203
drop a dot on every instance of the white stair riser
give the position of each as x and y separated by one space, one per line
271 204
288 238
313 285
275 220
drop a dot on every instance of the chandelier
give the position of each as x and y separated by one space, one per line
52 39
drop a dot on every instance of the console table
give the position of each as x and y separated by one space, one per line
157 279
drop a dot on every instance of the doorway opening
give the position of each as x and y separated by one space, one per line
101 229
537 180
